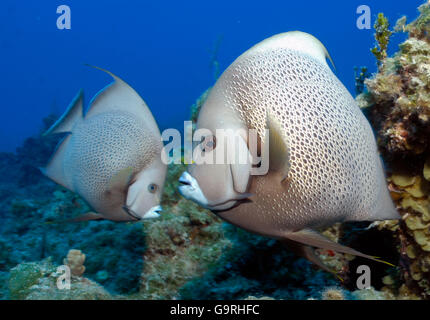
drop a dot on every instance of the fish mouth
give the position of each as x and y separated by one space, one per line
152 213
182 180
186 180
190 189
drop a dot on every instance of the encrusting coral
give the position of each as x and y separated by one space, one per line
75 261
333 294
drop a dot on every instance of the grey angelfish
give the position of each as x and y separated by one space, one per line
324 164
111 155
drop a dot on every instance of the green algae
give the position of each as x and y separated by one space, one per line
382 37
22 278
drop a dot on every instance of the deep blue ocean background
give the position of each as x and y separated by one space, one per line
163 49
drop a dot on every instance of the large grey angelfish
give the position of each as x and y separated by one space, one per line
112 155
324 164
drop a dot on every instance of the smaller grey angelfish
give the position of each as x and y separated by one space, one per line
111 155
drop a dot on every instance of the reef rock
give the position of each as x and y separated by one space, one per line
38 281
398 106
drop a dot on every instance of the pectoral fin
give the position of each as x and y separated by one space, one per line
121 180
279 158
314 239
240 168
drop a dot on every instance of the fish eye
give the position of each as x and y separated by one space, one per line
208 143
152 187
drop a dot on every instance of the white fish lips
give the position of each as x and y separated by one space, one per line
152 213
190 189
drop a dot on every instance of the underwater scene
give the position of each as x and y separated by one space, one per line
233 150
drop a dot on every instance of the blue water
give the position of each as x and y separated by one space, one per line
162 48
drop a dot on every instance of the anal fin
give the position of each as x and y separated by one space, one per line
308 253
314 239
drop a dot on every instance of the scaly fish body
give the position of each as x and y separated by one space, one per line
335 173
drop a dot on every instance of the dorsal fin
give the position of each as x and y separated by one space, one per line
279 158
72 115
54 170
119 96
307 43
299 41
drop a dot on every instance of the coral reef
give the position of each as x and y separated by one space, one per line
38 281
34 224
398 106
181 245
39 229
419 28
257 266
360 76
